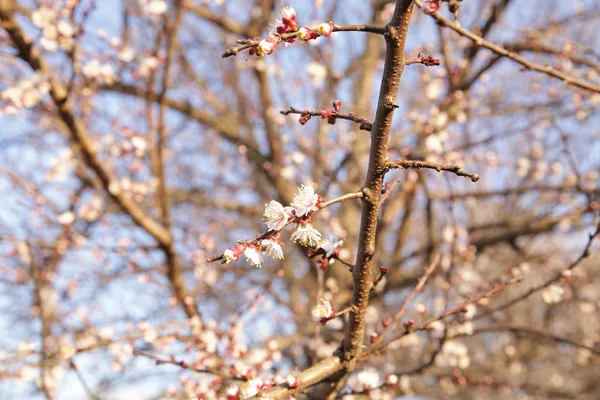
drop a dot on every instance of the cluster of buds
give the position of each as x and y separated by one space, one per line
277 217
287 30
328 114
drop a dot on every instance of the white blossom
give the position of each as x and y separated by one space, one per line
454 354
273 248
43 16
305 200
66 218
553 294
156 7
330 245
307 236
276 215
228 256
253 255
322 311
368 378
126 54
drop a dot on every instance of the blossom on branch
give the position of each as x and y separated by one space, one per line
330 246
273 247
307 236
288 20
325 28
305 201
254 255
323 312
232 254
266 46
305 33
276 215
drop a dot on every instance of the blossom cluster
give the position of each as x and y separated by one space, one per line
25 93
57 30
277 217
288 25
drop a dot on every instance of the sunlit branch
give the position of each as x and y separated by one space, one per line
417 164
246 44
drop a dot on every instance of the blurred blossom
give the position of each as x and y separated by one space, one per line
156 7
317 73
367 378
454 354
553 294
126 54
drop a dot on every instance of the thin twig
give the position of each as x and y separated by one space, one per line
365 124
246 44
418 164
417 289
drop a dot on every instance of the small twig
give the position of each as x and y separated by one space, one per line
382 273
418 164
86 387
428 271
342 312
185 365
365 124
346 263
517 330
249 43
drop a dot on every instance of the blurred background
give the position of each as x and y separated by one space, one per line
164 153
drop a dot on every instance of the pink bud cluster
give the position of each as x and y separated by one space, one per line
329 115
287 30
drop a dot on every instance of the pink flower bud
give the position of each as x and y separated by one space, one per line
325 113
430 7
337 105
325 28
304 119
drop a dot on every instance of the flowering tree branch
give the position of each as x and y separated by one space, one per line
247 44
481 42
79 134
564 274
409 325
